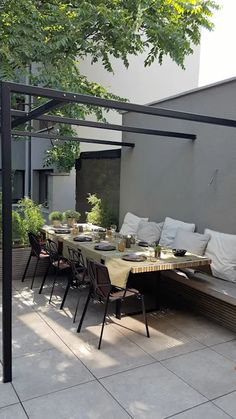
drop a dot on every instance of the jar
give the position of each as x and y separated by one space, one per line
121 245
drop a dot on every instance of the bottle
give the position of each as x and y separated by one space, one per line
128 242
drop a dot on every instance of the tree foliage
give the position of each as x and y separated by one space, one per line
55 34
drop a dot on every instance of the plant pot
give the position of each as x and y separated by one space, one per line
56 223
70 222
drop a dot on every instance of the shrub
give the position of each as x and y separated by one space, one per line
71 214
31 218
16 227
55 215
101 212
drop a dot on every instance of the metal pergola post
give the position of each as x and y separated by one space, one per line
6 233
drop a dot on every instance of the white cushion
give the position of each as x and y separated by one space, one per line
221 249
149 231
193 242
130 224
170 228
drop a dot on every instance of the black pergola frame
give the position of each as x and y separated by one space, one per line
56 99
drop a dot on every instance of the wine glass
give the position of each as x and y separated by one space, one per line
113 229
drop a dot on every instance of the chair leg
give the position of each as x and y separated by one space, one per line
66 292
118 309
103 323
44 279
77 306
26 268
32 283
84 312
144 315
53 285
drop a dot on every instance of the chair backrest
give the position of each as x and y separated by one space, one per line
76 261
35 244
52 250
102 283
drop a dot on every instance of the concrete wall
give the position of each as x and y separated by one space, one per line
194 181
62 191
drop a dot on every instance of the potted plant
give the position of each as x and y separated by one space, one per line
26 218
157 251
56 217
71 217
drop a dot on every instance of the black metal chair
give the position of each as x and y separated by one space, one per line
102 289
38 251
59 265
79 274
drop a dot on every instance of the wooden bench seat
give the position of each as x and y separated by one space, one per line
203 293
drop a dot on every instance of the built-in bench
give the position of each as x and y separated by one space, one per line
203 293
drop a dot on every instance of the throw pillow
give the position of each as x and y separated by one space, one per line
149 231
130 224
193 242
221 249
170 228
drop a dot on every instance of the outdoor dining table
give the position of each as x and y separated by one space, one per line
120 269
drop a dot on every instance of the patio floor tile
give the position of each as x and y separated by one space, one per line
228 404
117 352
203 330
87 401
45 372
152 392
7 394
32 337
58 372
205 411
208 372
165 340
227 349
13 412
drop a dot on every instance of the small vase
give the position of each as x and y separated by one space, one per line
157 253
70 222
56 223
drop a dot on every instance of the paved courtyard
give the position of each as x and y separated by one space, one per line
186 370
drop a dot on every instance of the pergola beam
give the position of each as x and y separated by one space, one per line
69 138
40 110
118 105
115 127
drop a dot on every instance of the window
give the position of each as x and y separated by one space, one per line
18 185
42 189
18 188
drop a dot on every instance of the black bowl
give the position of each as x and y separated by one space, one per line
179 252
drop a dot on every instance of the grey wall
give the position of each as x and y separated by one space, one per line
190 181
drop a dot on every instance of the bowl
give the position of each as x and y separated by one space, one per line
179 252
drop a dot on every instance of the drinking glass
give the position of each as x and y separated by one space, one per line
113 229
